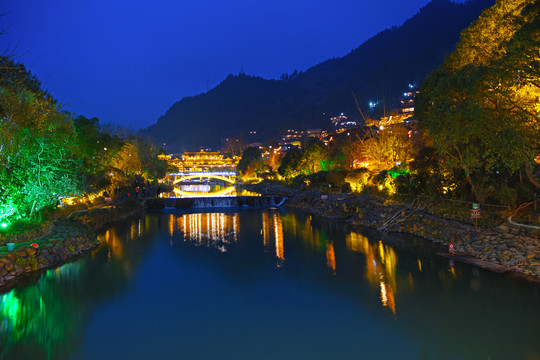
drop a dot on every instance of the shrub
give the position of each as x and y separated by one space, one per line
507 196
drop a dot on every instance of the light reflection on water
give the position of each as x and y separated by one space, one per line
381 262
306 273
207 190
210 229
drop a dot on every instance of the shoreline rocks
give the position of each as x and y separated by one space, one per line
506 247
67 239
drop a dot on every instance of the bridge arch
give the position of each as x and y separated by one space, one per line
229 177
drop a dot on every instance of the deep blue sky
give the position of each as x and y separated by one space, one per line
127 62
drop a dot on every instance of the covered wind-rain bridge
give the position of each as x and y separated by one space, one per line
202 167
226 176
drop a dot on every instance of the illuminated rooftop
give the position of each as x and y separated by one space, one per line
202 162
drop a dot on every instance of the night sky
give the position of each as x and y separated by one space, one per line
127 62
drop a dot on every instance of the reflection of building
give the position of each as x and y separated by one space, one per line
115 242
331 257
278 235
190 191
381 262
272 226
210 229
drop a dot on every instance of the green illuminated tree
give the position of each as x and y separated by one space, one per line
37 145
315 157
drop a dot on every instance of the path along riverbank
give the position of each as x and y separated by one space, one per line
67 238
506 247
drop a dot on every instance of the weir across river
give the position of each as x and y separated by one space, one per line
215 202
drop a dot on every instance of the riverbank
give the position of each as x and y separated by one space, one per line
505 247
67 238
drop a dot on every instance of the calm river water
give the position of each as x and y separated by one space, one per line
266 284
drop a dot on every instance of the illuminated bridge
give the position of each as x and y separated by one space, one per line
203 176
196 168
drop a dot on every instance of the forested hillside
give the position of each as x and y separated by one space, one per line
379 69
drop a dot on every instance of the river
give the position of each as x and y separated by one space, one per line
266 284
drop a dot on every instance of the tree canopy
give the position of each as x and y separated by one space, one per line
481 107
46 155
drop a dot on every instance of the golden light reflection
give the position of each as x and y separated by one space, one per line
387 296
210 229
171 225
278 235
381 263
206 190
116 248
227 191
265 228
132 231
313 237
331 257
272 227
451 268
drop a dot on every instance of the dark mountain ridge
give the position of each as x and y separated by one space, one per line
379 69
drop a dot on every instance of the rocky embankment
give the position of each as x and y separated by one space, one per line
66 239
506 247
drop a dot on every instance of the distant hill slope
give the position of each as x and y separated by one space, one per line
381 68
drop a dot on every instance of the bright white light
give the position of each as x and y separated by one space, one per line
193 188
203 174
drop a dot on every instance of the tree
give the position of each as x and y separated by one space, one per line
290 163
315 157
481 106
251 159
353 149
37 145
385 149
138 158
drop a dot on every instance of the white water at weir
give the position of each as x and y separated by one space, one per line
258 201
